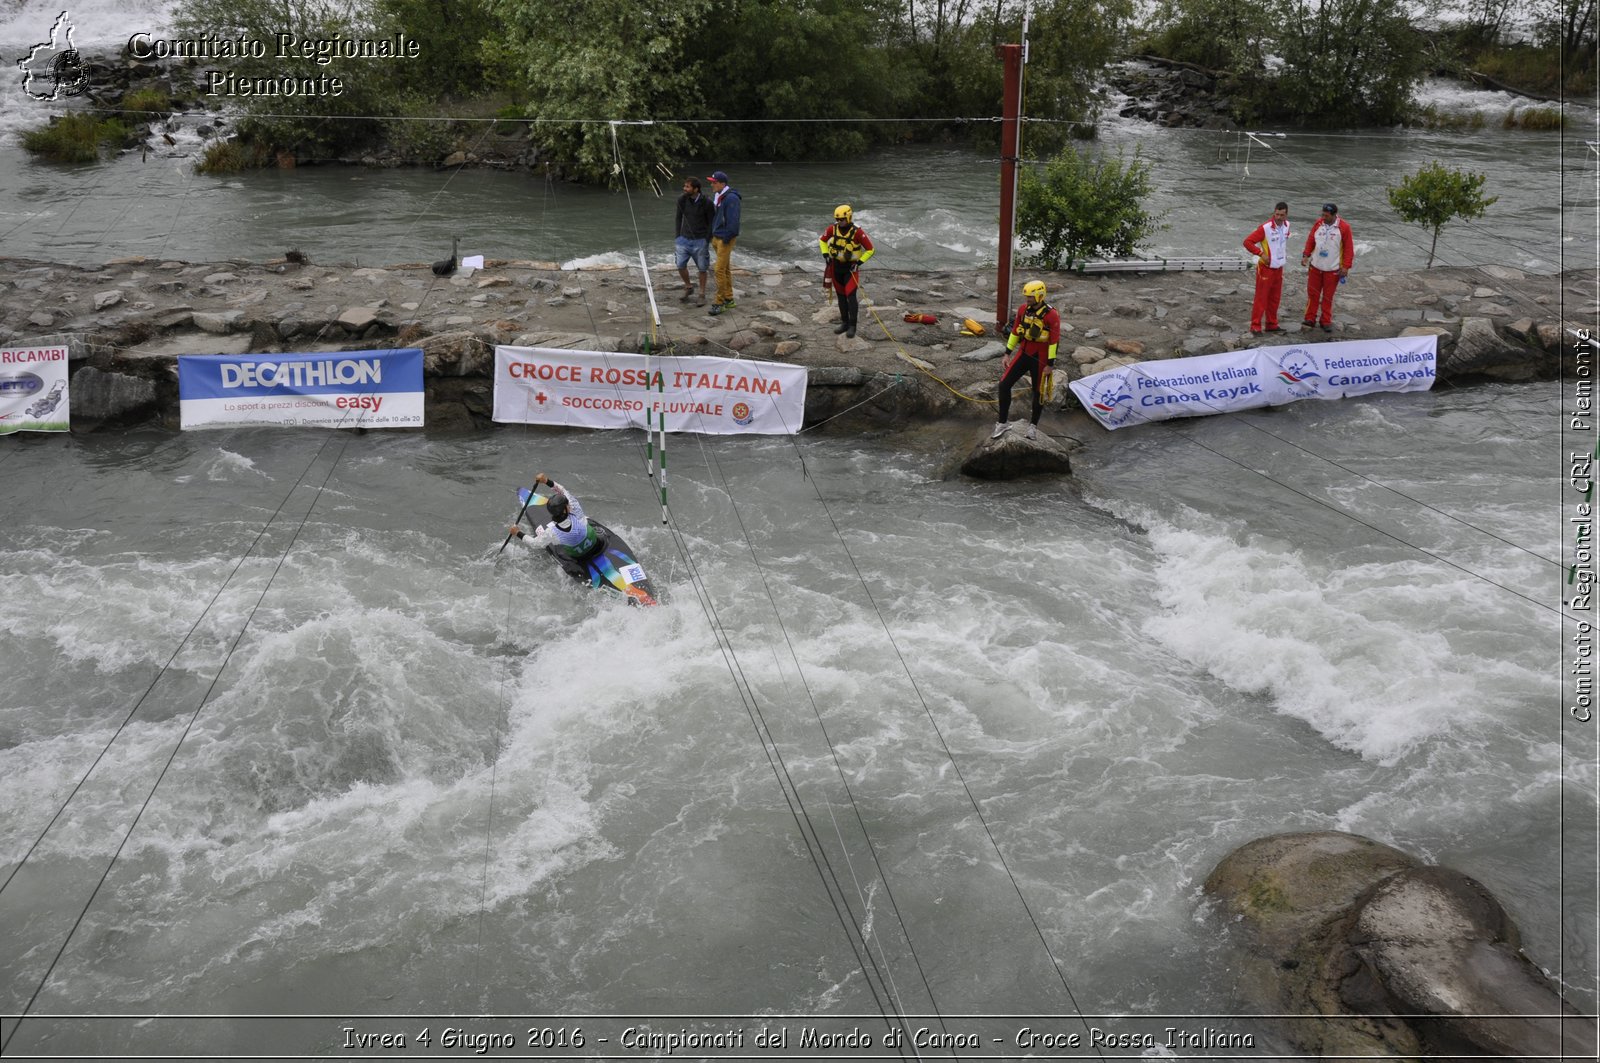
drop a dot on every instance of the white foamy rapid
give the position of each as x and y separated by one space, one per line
432 778
99 27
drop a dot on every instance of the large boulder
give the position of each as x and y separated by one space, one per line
1014 455
100 395
1481 353
1379 955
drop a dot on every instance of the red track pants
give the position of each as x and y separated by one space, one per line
1320 286
1269 291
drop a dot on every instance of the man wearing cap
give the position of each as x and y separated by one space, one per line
1330 252
1269 242
724 231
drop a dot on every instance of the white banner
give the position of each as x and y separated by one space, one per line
1261 376
589 389
33 390
347 389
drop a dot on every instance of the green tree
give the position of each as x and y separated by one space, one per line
795 79
1083 206
315 124
1229 36
1434 195
582 65
1347 62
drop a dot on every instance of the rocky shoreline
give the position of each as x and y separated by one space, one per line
125 323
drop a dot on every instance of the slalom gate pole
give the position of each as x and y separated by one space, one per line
661 389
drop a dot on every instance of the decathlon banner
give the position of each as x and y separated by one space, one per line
33 389
347 389
1261 376
716 396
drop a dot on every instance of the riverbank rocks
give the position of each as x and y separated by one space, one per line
907 372
1377 954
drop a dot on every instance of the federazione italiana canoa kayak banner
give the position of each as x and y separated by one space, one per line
33 390
1262 376
344 389
590 389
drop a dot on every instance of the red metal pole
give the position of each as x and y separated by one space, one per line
1010 148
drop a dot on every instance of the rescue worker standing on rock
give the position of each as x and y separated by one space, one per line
845 246
1034 336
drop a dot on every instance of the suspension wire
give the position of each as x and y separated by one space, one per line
830 875
417 215
837 896
494 778
715 463
150 179
1409 498
791 795
1401 234
165 667
1350 516
1055 965
188 727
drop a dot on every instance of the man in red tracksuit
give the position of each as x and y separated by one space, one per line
1269 242
1330 252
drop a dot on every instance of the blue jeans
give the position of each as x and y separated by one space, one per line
685 249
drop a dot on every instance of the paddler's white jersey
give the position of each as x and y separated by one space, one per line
577 529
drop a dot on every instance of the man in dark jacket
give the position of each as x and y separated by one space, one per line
693 226
724 231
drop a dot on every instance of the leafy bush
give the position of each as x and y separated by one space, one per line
1434 195
1083 206
76 137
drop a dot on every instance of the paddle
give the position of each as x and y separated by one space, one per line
529 498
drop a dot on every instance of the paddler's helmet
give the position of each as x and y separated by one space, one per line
557 507
843 213
1035 292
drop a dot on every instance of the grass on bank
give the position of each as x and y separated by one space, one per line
232 156
76 137
146 103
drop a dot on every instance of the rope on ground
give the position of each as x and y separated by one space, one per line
912 361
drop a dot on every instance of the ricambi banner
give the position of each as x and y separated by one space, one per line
1261 376
589 389
344 389
33 390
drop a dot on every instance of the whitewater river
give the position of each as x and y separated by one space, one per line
291 757
340 758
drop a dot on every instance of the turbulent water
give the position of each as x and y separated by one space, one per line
283 735
377 768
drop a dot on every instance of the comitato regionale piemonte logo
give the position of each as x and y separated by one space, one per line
52 69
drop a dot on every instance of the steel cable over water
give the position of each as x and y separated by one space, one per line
809 834
188 727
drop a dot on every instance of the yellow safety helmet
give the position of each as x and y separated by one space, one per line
843 213
1034 290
